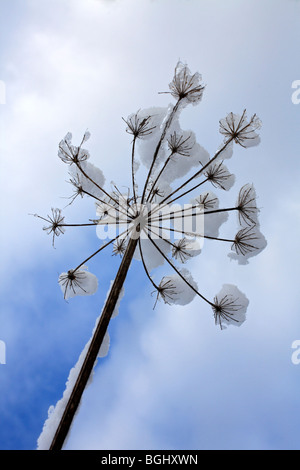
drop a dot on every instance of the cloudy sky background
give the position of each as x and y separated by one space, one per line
172 379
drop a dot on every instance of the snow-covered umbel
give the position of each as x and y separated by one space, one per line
241 130
78 282
69 153
230 306
186 86
174 289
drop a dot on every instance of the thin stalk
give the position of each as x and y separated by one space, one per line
102 248
132 169
188 191
93 350
189 234
179 273
145 267
97 185
84 173
183 212
157 178
167 125
198 172
103 202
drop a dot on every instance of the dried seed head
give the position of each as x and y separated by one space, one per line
56 223
219 176
230 306
185 85
244 241
166 290
225 309
78 188
180 250
119 247
139 127
179 145
207 201
240 130
78 282
246 205
68 153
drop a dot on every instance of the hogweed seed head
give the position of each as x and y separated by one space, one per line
165 291
237 128
180 250
246 205
119 247
70 154
78 282
244 241
148 218
139 127
207 201
55 223
180 145
186 86
219 176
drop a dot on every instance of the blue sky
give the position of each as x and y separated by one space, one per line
171 380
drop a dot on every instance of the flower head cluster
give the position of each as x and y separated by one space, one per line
238 128
78 282
70 153
139 126
246 204
164 233
179 145
186 86
55 223
219 176
230 306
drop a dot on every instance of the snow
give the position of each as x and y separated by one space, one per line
55 412
259 242
151 255
183 294
92 172
79 282
242 130
230 293
193 247
226 153
147 144
187 83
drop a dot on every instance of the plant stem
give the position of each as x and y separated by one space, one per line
166 127
93 350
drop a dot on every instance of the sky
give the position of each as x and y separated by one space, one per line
172 379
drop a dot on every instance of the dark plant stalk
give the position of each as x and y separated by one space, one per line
158 176
97 185
132 169
166 127
200 171
179 273
183 213
93 350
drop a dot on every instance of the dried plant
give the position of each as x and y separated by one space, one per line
148 226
